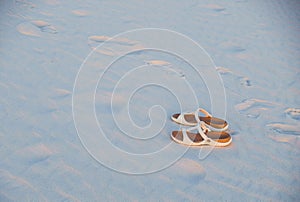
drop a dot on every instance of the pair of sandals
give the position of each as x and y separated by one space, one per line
209 130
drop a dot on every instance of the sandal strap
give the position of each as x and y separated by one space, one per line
202 129
181 118
185 138
206 113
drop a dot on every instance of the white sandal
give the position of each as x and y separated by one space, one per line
192 119
203 137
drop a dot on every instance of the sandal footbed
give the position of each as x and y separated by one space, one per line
212 121
221 137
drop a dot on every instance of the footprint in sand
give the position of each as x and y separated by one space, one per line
80 13
285 133
253 108
283 128
161 63
28 29
116 45
244 81
294 113
35 28
121 41
158 62
291 139
44 26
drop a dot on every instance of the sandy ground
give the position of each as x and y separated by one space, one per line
255 47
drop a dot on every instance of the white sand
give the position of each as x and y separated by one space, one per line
255 45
